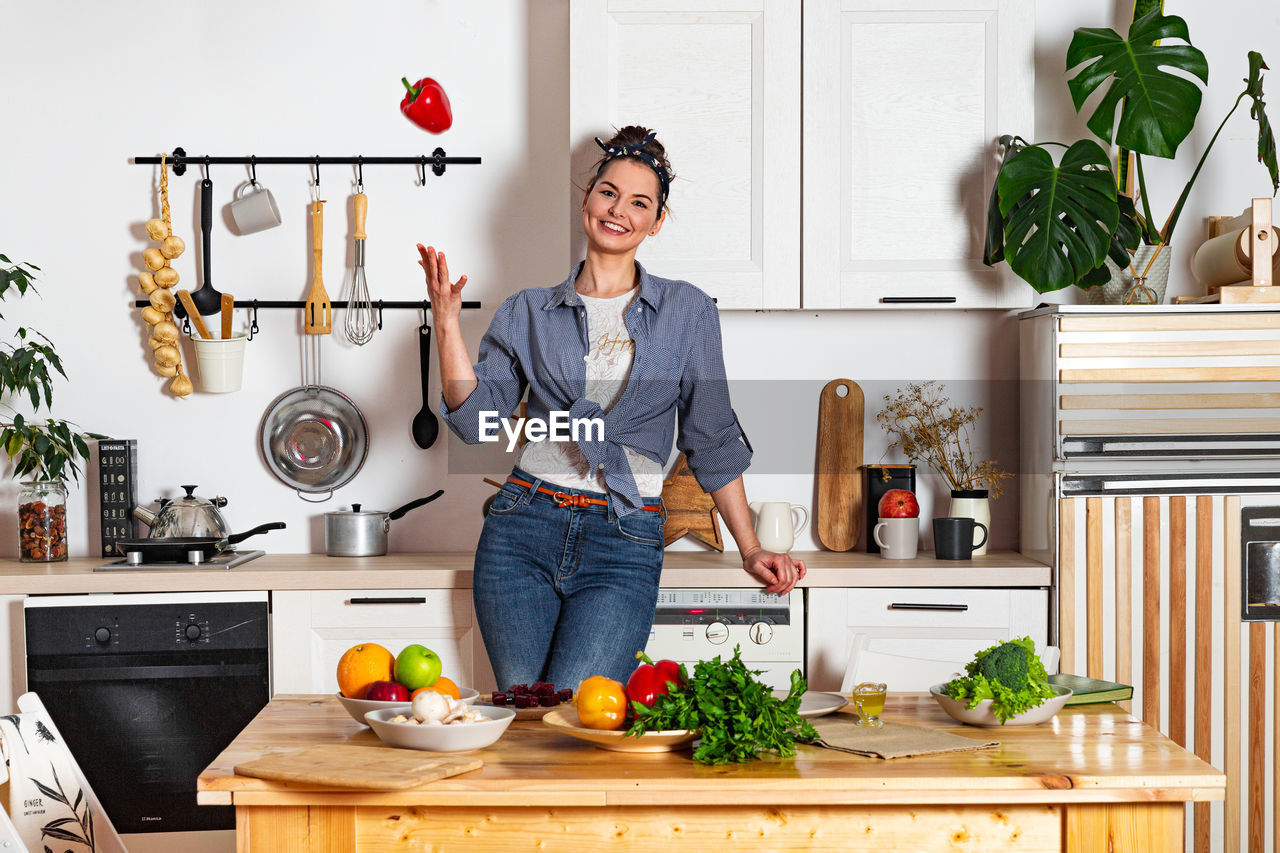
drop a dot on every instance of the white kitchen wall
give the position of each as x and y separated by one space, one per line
85 87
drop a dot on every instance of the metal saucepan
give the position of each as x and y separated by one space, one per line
363 533
180 549
314 438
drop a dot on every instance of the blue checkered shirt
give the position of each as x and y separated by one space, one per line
538 340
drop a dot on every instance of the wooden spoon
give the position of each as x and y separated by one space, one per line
184 296
319 312
228 305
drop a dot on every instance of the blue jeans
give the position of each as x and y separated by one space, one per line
563 593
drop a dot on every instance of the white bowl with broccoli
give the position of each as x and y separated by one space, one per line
1006 685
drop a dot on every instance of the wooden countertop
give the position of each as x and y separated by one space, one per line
695 569
1087 754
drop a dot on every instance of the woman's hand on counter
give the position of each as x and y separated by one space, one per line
778 572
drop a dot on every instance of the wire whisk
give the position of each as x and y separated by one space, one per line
359 324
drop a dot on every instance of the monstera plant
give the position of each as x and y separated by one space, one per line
1056 223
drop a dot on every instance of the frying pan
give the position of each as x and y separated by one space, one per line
313 438
176 549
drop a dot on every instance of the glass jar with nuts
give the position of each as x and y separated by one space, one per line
42 521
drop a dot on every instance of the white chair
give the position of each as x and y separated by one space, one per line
50 802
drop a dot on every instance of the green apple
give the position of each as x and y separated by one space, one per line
417 666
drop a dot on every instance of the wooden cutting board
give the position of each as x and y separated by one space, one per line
839 508
372 768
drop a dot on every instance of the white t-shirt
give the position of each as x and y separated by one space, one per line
609 357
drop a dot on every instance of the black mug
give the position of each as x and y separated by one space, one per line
953 538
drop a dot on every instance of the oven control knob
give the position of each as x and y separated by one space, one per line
717 632
193 632
102 635
761 632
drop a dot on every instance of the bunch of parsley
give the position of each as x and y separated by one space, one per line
736 715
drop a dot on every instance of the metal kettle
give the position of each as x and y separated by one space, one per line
187 516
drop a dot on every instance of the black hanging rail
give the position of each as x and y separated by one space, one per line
253 305
180 159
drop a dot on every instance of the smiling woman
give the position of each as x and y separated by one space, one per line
567 567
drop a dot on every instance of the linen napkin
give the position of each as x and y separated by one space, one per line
892 740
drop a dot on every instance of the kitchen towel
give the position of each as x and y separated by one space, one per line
892 740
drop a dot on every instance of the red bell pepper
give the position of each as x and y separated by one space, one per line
650 680
426 105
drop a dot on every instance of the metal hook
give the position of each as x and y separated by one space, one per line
317 171
253 170
426 307
360 173
422 171
253 319
437 161
206 166
186 325
379 315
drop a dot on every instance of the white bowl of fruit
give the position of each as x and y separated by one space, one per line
371 679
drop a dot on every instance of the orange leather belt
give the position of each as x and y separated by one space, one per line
566 499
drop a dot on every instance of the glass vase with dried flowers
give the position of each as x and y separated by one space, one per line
931 431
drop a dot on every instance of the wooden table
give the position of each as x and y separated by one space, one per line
1093 779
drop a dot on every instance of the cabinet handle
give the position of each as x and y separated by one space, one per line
922 606
901 300
405 599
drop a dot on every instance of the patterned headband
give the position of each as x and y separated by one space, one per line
614 152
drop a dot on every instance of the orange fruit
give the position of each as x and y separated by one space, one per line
441 685
362 665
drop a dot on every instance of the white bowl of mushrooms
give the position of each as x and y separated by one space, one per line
440 724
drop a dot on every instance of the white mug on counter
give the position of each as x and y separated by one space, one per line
776 526
898 538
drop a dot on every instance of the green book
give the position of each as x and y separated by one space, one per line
1086 691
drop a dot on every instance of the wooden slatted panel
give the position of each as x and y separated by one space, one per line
1171 374
1166 349
1242 321
1124 593
1178 620
1067 585
1169 401
1257 733
1204 659
1231 672
1151 611
1167 426
1093 586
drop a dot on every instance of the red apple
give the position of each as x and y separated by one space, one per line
898 503
387 691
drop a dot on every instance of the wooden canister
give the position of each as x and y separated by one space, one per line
880 479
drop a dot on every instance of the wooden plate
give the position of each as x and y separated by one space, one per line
565 720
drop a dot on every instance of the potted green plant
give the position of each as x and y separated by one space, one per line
1057 224
47 450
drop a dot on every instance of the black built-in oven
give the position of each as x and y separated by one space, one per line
147 689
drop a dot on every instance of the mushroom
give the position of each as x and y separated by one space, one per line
152 258
172 247
157 230
430 706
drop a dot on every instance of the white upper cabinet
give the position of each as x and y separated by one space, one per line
903 103
720 82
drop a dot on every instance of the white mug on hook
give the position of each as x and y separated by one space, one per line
776 526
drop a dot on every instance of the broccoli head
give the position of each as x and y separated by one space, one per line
1006 663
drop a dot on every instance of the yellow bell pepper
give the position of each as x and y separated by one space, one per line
602 703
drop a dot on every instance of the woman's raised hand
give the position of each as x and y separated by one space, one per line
446 296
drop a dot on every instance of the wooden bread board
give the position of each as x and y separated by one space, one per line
372 768
839 508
